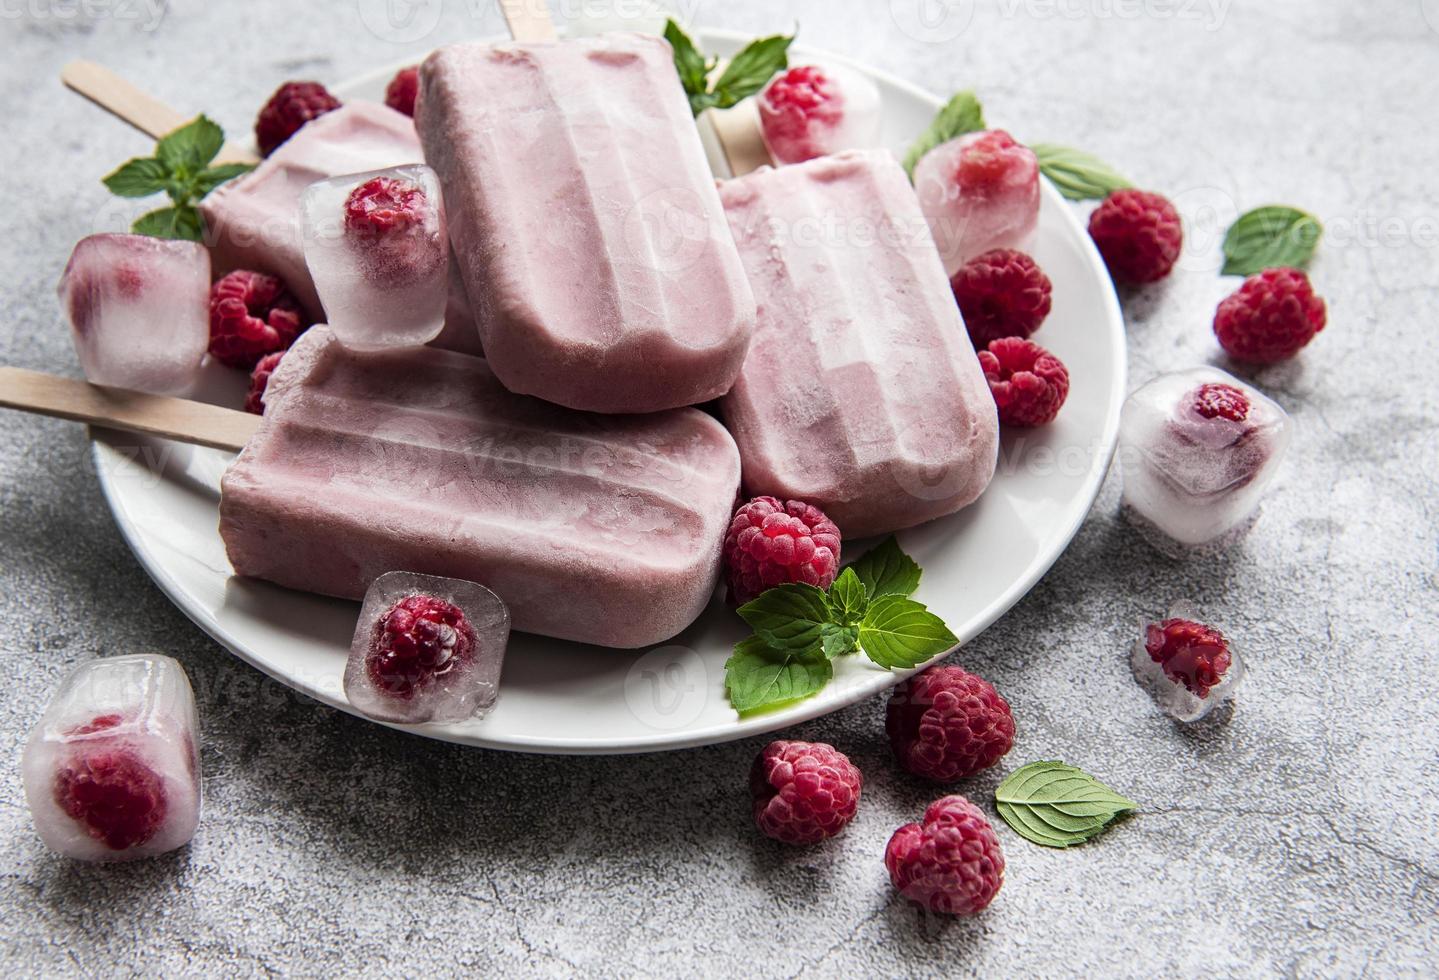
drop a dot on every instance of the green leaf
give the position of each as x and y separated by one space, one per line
187 150
887 570
1078 175
138 178
752 69
691 65
215 176
836 640
1269 237
758 676
899 632
788 617
1057 805
848 599
177 222
962 115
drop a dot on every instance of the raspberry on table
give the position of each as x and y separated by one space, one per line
945 724
1002 293
1191 653
1139 234
950 862
292 105
1271 317
259 380
252 314
1029 383
400 94
420 639
803 792
113 795
770 543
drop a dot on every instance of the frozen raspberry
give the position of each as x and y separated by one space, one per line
1002 293
259 379
1191 653
1214 401
113 794
950 863
1273 316
384 206
401 92
796 106
1139 234
251 315
946 723
803 792
1029 383
292 105
990 160
770 543
420 639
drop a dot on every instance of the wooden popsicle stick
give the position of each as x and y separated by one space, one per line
133 411
529 20
143 111
739 136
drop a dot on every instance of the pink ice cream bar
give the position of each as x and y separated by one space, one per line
585 220
862 394
599 529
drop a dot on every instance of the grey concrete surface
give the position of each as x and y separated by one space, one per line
1298 840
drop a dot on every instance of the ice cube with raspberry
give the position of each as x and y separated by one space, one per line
138 309
1197 449
814 110
378 250
1188 667
112 769
427 649
979 192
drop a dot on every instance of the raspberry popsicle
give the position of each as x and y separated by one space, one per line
590 528
586 223
862 394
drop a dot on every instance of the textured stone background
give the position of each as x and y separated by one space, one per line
1298 840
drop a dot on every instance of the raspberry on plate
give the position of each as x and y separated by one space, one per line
1188 667
946 723
770 543
804 792
1139 234
421 639
1028 382
950 862
1270 318
292 105
1002 293
252 314
260 380
403 88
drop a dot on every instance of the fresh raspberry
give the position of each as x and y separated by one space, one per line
1273 316
403 88
420 639
259 379
989 160
951 863
1191 653
945 724
1029 383
1002 293
251 315
292 105
803 792
797 107
113 794
1214 401
770 543
1139 234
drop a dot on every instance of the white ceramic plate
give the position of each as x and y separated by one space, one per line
567 698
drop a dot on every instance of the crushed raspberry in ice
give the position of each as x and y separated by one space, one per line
1191 653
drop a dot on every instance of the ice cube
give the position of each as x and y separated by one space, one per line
139 310
112 771
979 192
1189 668
814 110
427 649
1197 449
378 250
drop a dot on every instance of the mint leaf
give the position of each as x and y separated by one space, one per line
692 67
138 178
752 69
758 676
190 148
1078 175
899 632
887 570
1056 805
788 617
208 180
963 114
848 599
178 222
1269 237
836 640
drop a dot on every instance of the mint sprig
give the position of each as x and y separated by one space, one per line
747 73
962 114
1056 805
1079 176
800 629
180 169
1268 237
